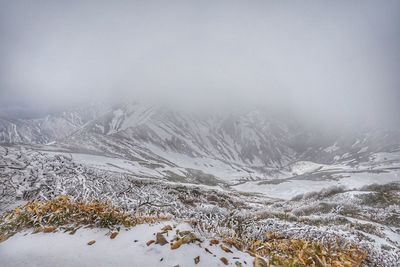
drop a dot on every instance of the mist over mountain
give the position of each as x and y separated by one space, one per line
199 133
325 61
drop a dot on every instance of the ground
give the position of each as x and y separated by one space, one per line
127 249
306 201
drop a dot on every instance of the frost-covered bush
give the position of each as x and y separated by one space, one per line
326 192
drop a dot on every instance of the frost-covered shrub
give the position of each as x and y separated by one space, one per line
326 192
314 208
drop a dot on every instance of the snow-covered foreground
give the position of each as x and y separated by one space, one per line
129 248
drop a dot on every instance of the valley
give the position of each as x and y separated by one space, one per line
230 175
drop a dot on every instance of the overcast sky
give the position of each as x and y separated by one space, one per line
333 59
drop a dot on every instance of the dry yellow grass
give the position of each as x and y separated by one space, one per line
281 251
61 211
294 252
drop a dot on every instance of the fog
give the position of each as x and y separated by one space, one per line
332 60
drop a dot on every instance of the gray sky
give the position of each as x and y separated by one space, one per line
334 59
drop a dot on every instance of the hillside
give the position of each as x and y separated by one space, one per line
238 175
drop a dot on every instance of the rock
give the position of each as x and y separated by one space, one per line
260 262
160 239
238 264
91 242
148 243
197 260
224 260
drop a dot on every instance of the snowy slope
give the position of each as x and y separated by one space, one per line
232 147
236 146
248 138
127 249
46 129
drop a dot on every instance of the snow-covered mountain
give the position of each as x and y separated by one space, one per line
47 129
247 139
255 139
241 145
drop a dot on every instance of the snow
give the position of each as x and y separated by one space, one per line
391 236
61 249
302 167
291 188
118 164
137 114
285 190
384 157
331 148
226 171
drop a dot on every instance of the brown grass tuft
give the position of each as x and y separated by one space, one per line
294 252
62 211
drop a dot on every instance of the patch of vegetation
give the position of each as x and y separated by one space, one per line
321 221
192 196
353 211
380 199
381 196
295 252
62 211
366 228
382 187
200 177
316 208
319 195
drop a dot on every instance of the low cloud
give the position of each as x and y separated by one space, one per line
328 60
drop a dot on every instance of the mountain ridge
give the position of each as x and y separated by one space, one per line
254 142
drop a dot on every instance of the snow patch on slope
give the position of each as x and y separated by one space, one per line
61 249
